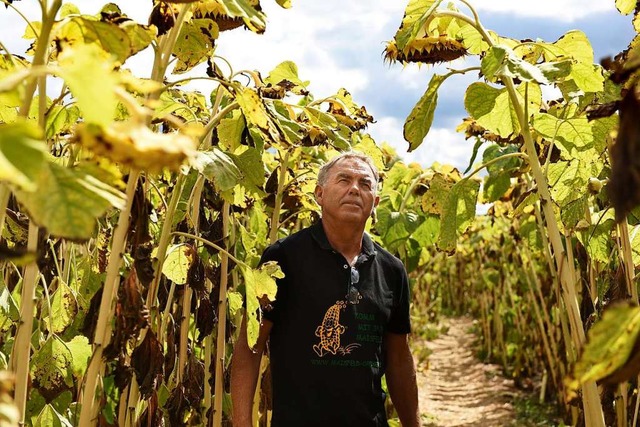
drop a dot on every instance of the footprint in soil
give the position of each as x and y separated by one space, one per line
457 389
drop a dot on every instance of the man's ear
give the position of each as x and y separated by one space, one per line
376 201
318 194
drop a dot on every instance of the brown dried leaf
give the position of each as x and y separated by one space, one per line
624 186
147 361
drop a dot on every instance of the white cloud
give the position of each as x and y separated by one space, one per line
563 10
335 44
442 145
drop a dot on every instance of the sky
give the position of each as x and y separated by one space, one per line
338 43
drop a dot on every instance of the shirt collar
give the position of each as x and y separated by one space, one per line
317 231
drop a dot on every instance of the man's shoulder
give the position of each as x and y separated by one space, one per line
292 241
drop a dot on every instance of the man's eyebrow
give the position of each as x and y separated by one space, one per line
350 174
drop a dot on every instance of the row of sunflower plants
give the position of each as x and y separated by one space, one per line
133 211
560 288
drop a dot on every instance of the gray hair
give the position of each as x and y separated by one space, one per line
324 169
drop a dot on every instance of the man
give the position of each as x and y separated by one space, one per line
340 320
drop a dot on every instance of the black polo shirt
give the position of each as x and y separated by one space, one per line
327 358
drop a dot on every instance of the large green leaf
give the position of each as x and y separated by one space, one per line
492 107
260 285
9 310
284 3
176 264
256 115
609 345
626 6
75 31
92 81
81 351
574 44
415 16
288 71
427 233
495 186
22 154
458 213
251 166
396 227
64 308
571 135
530 232
292 130
434 200
568 181
501 61
195 44
597 240
140 36
49 417
420 119
574 212
51 365
234 302
61 119
588 77
219 168
68 201
230 131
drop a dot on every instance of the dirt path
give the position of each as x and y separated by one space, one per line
456 389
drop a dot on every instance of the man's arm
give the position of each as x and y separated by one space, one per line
401 378
245 369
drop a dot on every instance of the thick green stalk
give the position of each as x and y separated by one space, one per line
222 323
21 353
626 257
40 56
88 413
184 332
163 244
5 193
591 399
275 217
167 42
541 324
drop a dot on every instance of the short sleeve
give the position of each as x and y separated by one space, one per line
400 320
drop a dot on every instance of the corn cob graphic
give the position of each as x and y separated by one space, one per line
330 330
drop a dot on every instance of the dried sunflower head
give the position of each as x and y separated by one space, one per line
215 11
133 144
426 50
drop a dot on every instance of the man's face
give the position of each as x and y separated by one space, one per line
349 193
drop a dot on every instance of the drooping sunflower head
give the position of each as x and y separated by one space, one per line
426 50
216 11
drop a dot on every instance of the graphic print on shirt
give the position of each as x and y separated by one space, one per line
329 332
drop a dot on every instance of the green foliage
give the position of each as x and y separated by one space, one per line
64 308
260 285
610 345
195 44
81 67
49 417
177 263
22 155
68 201
458 212
421 117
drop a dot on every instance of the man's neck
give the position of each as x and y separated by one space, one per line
344 238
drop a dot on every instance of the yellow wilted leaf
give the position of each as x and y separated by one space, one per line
132 143
89 73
